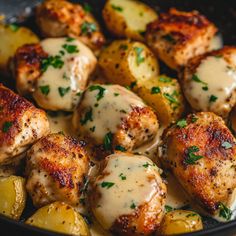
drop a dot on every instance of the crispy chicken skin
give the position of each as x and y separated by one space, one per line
120 116
202 156
142 218
56 168
27 67
224 87
178 36
61 18
21 124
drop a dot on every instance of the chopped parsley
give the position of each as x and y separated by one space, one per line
139 58
169 38
213 98
54 61
107 184
155 90
170 98
226 145
78 94
225 212
117 8
100 94
133 206
63 91
65 77
70 48
123 47
191 157
133 84
194 118
92 129
116 94
14 27
168 208
122 176
120 148
196 79
191 214
146 165
88 28
88 117
165 79
182 123
87 7
107 142
45 89
69 39
6 126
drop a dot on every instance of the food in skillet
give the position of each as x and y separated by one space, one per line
128 195
114 118
178 36
61 18
56 169
209 81
125 192
201 153
54 71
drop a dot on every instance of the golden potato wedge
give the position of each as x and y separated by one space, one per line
125 62
13 196
59 217
180 221
12 37
128 18
164 95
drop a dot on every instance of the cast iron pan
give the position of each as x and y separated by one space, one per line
221 12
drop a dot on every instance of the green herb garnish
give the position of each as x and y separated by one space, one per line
155 90
120 148
225 212
92 129
87 7
107 142
133 206
14 27
70 48
88 28
6 126
123 47
139 58
117 8
168 208
63 91
54 61
196 79
191 157
165 79
170 98
69 39
88 117
182 123
226 145
213 98
122 176
169 38
100 94
45 89
107 184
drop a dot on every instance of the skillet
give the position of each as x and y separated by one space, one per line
222 13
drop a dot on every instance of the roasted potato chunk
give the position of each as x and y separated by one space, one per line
112 117
127 18
12 37
209 81
13 196
21 125
180 222
125 62
178 36
164 95
201 153
56 170
128 195
61 218
62 18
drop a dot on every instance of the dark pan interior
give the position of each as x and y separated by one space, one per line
222 13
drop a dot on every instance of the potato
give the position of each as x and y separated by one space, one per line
13 196
59 217
12 37
128 18
180 221
125 62
164 95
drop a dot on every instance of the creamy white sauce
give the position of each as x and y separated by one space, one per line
71 78
219 78
107 112
136 179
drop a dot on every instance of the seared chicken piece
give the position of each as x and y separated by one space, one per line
55 71
128 196
56 169
201 153
178 36
209 81
21 124
59 18
113 117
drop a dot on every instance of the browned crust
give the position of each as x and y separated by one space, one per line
182 26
